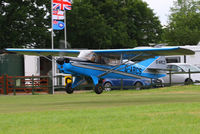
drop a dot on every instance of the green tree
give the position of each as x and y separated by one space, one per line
184 23
144 26
24 22
112 24
90 24
86 27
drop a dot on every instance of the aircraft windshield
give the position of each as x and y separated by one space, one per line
192 68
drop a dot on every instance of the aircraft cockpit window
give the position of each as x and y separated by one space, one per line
113 61
100 59
106 60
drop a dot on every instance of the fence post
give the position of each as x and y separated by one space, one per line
14 85
5 83
170 77
189 74
50 85
32 79
121 84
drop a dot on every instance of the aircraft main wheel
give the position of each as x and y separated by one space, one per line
107 86
69 89
188 82
98 89
138 85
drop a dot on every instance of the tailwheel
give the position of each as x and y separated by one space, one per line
69 88
98 89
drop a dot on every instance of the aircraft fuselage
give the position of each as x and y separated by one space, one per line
126 71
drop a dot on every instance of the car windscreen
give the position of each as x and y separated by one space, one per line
186 68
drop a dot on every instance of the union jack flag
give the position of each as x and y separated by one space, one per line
62 4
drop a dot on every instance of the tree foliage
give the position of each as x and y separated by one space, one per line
112 24
184 23
23 22
90 24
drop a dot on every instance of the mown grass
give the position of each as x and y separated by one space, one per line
172 110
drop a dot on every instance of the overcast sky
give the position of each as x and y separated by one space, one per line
161 8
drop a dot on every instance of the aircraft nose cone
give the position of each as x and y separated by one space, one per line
61 61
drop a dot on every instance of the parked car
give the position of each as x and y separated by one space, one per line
183 75
138 84
198 66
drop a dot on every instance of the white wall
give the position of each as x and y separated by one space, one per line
31 65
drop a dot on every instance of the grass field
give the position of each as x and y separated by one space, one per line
174 110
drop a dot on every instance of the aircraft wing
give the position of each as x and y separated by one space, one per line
150 51
45 52
146 52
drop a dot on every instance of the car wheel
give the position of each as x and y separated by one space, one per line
98 89
107 86
188 81
138 85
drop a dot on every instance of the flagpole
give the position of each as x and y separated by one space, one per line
65 29
52 25
52 47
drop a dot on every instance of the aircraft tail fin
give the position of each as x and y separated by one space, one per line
157 63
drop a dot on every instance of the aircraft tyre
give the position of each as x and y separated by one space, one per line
138 85
69 89
98 89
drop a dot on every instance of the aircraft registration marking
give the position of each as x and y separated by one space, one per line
133 69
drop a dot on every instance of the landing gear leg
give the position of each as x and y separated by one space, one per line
98 85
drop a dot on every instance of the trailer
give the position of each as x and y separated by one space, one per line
190 59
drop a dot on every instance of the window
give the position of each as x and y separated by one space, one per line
173 59
186 68
175 68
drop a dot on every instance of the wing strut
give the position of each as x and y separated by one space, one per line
112 69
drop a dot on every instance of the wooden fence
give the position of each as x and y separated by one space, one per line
1 85
25 84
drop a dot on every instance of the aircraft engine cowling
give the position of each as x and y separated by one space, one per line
61 61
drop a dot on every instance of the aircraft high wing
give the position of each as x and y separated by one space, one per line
125 52
108 63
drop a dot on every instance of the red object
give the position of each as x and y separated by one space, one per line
62 3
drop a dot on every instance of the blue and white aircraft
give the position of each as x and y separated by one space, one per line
134 63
